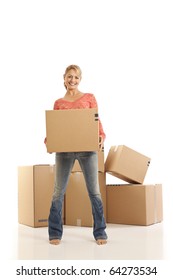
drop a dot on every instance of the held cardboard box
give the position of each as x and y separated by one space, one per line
101 164
127 164
77 203
35 189
134 204
73 130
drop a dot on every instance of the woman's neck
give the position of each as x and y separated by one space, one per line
72 95
73 92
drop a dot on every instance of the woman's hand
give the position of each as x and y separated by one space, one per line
45 142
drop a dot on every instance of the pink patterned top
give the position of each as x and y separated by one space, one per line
87 100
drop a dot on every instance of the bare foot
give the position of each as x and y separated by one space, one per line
101 241
55 241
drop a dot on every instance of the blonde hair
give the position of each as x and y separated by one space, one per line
74 67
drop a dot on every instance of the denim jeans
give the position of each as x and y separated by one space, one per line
89 165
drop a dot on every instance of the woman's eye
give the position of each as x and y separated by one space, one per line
71 77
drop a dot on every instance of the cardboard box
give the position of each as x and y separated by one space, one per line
134 204
35 189
101 164
72 130
127 164
77 203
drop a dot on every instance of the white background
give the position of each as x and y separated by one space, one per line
124 49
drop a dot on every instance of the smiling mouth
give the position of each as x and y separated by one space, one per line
72 84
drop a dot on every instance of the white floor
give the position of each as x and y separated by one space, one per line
28 249
125 243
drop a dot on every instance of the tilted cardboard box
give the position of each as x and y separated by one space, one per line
134 204
72 130
127 164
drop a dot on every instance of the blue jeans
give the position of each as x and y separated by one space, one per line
89 165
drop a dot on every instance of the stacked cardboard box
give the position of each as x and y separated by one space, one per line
78 211
35 188
134 203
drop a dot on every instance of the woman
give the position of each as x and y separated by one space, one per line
74 99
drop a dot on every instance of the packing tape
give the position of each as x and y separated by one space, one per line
78 222
115 148
52 168
156 203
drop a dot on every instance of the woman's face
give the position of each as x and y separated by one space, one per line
72 79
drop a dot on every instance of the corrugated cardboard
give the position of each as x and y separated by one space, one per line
101 164
127 164
73 130
134 204
77 203
35 189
